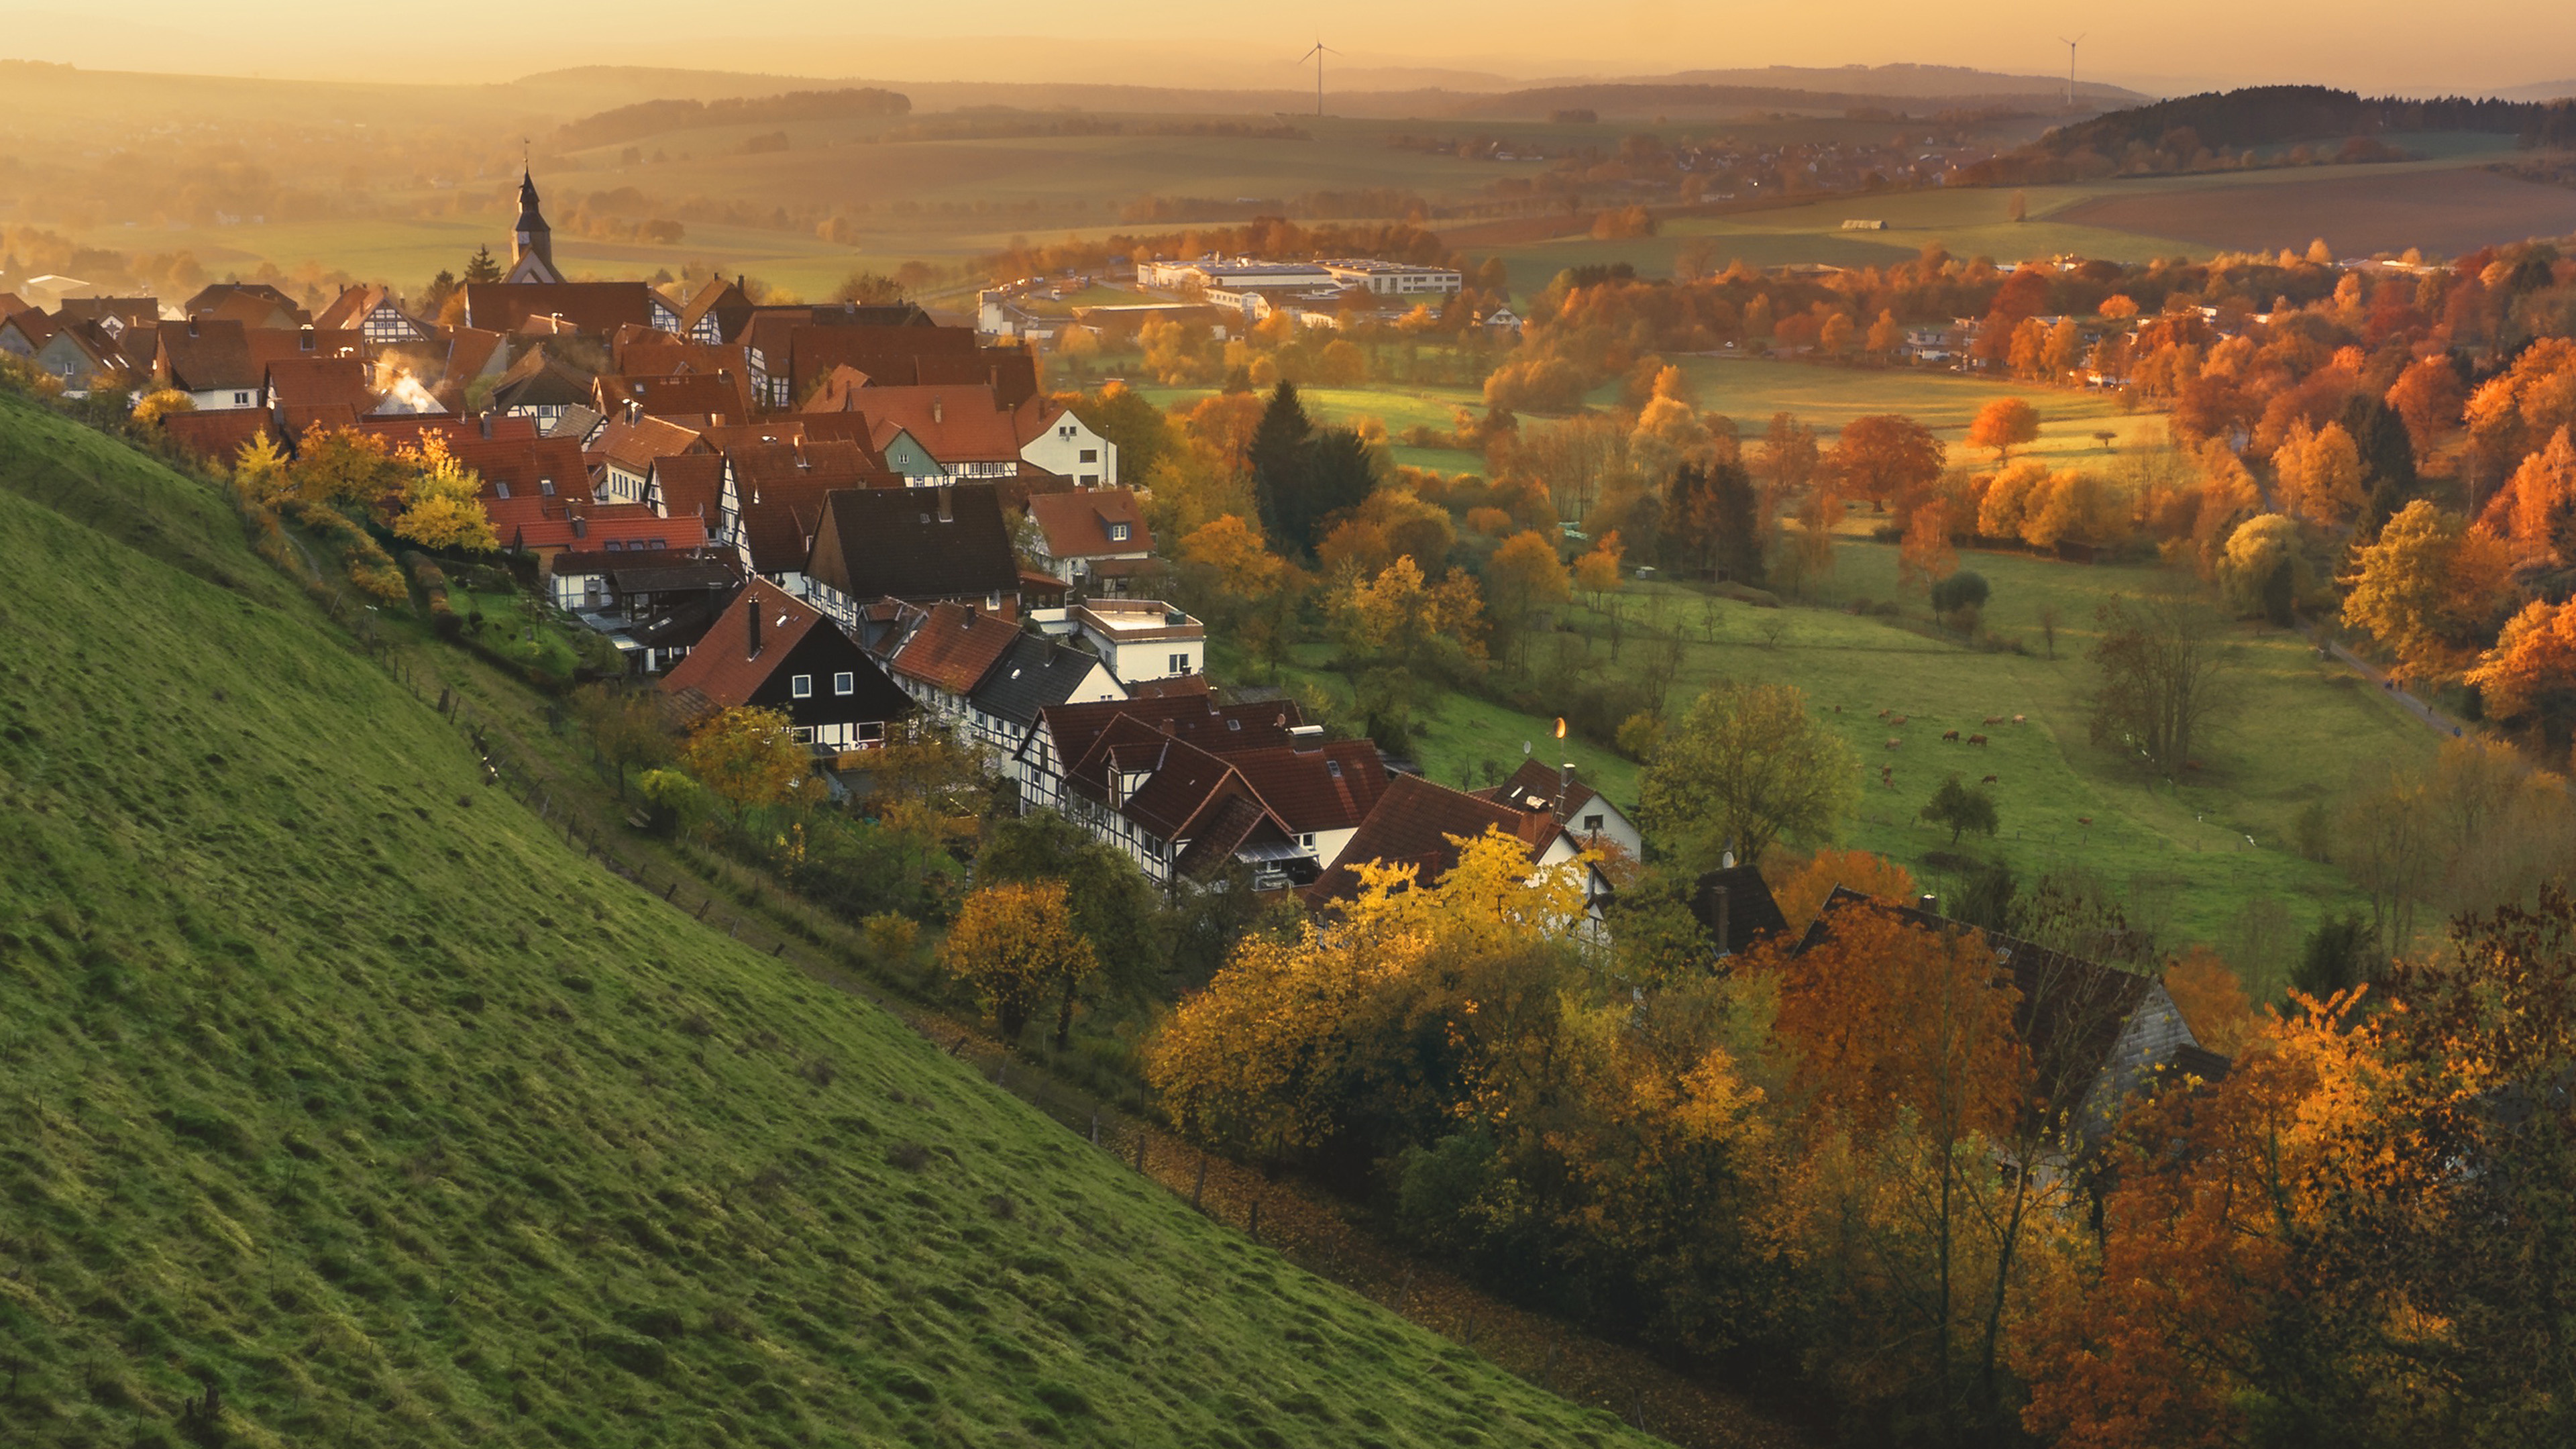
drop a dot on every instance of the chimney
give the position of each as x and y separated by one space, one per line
938 408
634 410
751 623
192 326
1564 786
485 418
1928 905
947 513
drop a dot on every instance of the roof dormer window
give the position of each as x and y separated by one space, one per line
1118 532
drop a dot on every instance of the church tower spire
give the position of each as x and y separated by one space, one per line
532 242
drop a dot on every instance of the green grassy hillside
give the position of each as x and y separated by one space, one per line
334 1083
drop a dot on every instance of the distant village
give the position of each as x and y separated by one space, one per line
850 514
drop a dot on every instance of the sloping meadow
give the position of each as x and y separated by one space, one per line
345 1106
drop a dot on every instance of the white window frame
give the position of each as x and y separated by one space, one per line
845 682
800 687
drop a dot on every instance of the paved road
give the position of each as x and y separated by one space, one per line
2433 719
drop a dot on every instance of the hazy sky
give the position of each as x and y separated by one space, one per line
2392 45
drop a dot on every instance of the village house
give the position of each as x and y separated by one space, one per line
771 650
1037 674
1095 540
920 545
652 604
374 313
1579 808
623 455
211 362
1419 823
1139 639
771 503
255 305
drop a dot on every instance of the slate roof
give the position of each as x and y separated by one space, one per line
1036 675
1412 825
955 647
1750 913
724 667
1076 524
1195 718
892 541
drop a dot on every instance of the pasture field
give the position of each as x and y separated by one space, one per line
344 1088
2443 212
2186 857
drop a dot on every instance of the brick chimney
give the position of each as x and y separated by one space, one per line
947 512
751 625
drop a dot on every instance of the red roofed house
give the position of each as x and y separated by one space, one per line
210 361
623 456
723 394
1180 812
772 503
948 654
935 431
1577 806
374 313
1094 539
771 650
1419 823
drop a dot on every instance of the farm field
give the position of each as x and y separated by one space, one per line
346 1089
2445 196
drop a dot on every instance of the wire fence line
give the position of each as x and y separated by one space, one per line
1310 1231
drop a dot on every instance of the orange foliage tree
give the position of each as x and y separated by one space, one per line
2003 425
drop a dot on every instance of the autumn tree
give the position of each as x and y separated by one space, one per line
1924 556
2529 676
2003 425
2536 508
750 757
1800 891
441 501
1522 579
1892 461
2320 475
1016 943
2263 569
2429 588
1597 572
1745 768
2429 396
2163 674
1712 523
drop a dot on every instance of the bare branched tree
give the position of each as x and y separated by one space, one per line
2163 660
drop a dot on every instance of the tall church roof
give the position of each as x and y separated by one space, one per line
530 219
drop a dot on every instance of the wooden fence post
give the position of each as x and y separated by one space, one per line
1200 1186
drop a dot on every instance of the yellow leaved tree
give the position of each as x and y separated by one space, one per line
1017 944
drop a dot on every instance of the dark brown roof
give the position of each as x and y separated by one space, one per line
635 444
204 354
526 464
1414 823
1736 908
893 541
955 647
723 668
1535 786
1182 783
1223 729
718 394
595 307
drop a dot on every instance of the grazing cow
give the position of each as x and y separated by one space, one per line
1884 713
1987 781
2021 719
1887 776
1838 709
1950 735
1893 742
1899 721
1976 739
1992 720
2083 819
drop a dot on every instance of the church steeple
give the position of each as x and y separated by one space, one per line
532 242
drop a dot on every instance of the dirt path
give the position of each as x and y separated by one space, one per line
1309 1228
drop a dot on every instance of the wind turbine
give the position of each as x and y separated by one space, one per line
1317 56
2070 66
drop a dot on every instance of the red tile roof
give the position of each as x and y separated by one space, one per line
957 424
1414 823
1332 786
595 307
549 523
305 382
688 485
954 648
1536 778
724 667
1076 524
720 394
634 445
217 436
